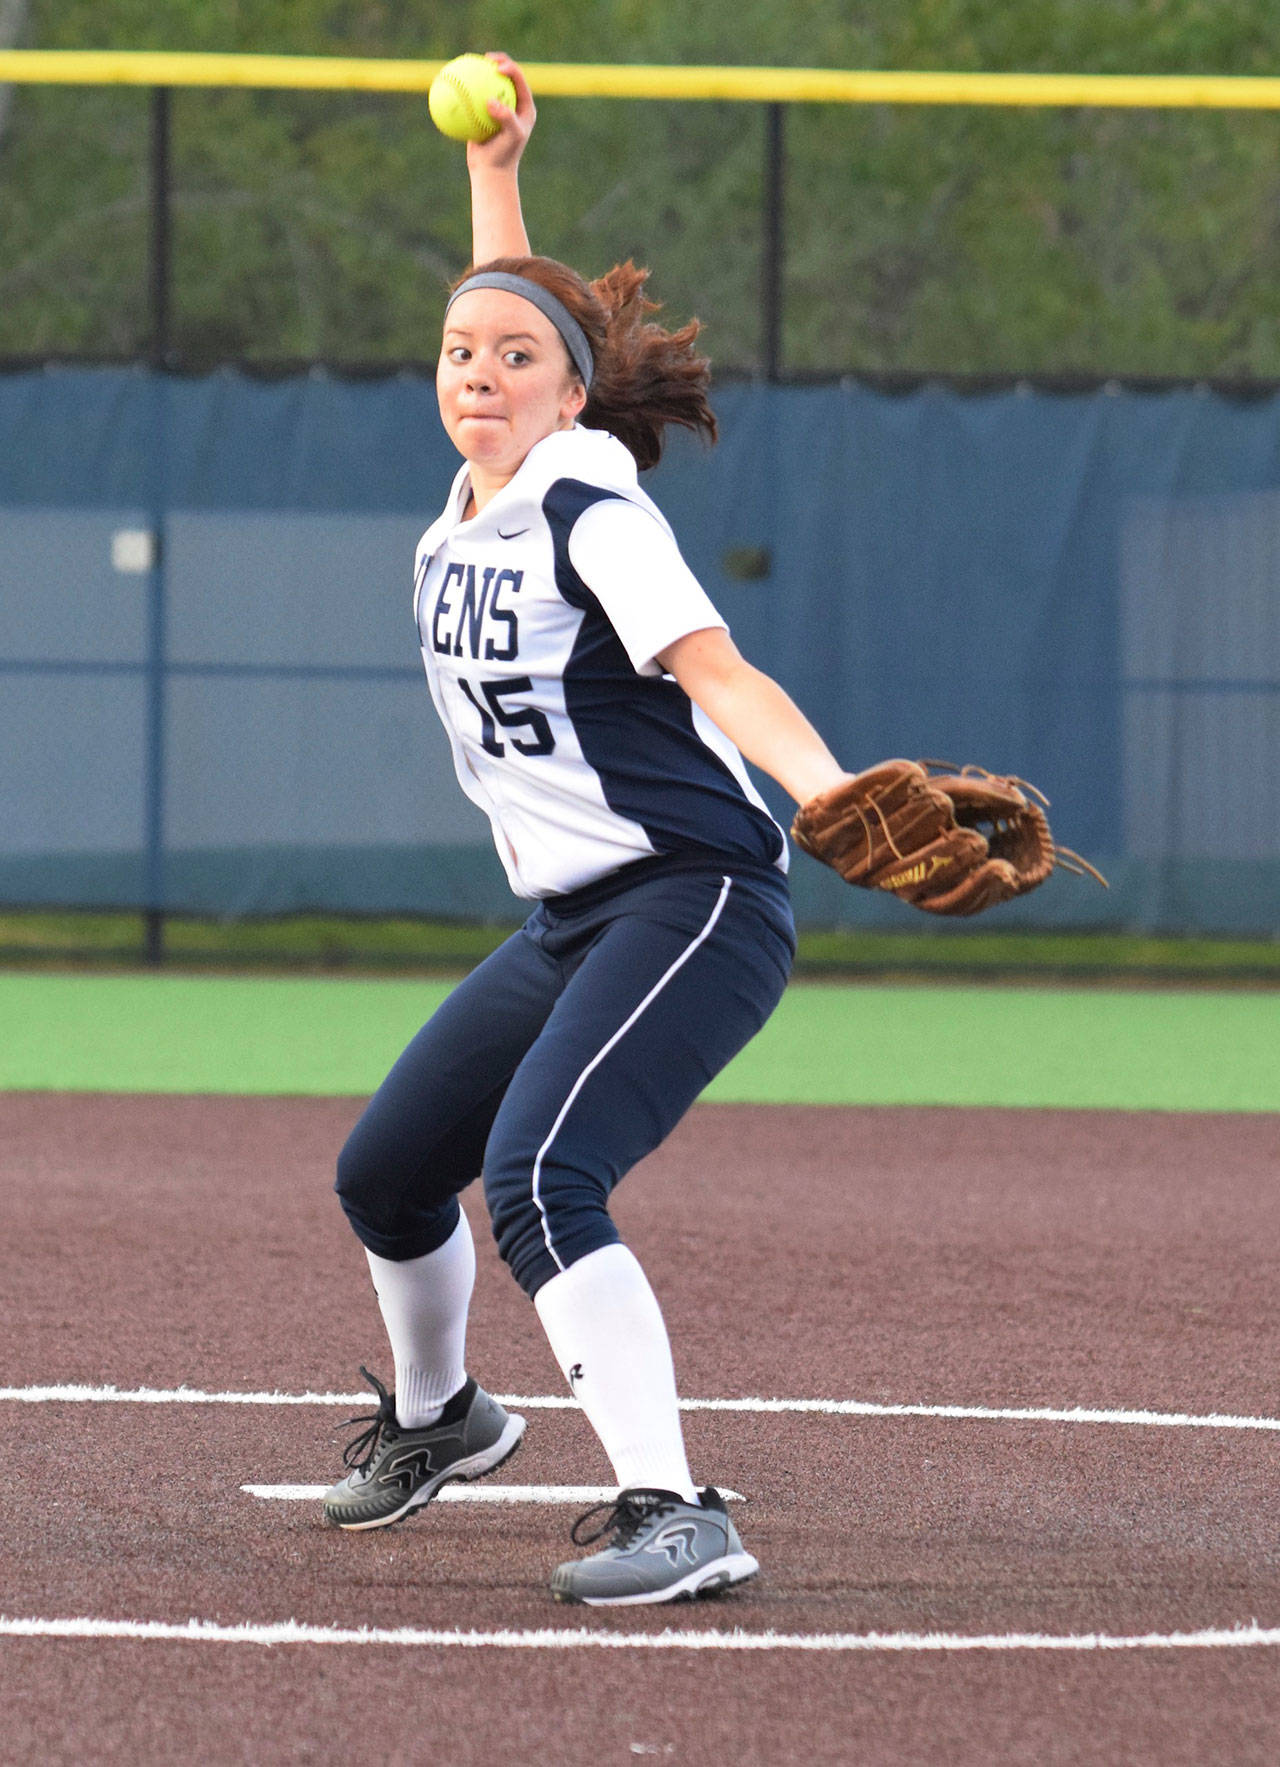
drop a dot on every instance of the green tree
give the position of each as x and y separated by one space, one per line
979 240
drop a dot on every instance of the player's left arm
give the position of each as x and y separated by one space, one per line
497 221
757 716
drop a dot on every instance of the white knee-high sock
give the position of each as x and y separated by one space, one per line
424 1308
604 1324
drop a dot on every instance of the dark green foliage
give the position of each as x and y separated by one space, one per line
952 239
43 938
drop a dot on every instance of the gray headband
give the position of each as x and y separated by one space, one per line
575 338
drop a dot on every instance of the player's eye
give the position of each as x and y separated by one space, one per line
459 353
517 358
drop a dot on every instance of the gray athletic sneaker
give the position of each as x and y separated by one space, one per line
662 1549
394 1470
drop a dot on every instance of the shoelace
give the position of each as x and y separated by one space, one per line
366 1443
623 1516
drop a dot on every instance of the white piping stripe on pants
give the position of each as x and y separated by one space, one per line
596 1059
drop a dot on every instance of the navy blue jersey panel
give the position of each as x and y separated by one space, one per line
637 731
563 504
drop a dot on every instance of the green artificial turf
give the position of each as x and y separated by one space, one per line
1081 1048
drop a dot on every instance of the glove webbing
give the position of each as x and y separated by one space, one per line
1067 857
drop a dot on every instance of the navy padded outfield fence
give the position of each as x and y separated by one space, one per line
1080 588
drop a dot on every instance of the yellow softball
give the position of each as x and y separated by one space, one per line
460 94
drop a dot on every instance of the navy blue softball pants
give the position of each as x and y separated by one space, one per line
567 1056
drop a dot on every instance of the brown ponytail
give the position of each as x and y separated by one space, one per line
645 378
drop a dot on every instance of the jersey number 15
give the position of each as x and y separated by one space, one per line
493 713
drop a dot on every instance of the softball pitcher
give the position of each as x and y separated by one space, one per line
598 712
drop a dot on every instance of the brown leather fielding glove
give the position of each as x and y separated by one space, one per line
951 842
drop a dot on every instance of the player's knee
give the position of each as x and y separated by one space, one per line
384 1218
544 1224
377 1207
356 1185
513 1216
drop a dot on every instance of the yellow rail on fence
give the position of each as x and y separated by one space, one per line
110 67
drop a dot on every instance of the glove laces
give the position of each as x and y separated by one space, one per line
1064 856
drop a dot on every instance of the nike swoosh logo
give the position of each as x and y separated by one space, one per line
514 535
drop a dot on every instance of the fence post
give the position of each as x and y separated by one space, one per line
775 171
159 264
157 355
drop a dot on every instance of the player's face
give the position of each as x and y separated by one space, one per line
504 381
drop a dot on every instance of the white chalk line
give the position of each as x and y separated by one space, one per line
578 1638
1080 1414
472 1493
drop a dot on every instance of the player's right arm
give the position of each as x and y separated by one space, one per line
497 223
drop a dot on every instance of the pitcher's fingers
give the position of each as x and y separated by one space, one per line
525 109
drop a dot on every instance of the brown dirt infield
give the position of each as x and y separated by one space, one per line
978 1258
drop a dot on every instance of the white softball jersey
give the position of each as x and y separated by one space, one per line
540 621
